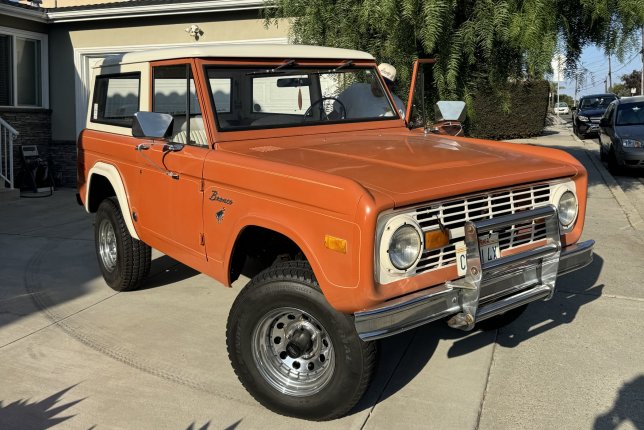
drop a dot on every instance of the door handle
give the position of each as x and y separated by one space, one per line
141 147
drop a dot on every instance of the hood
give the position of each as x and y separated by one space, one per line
635 132
412 167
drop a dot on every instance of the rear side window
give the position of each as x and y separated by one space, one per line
116 99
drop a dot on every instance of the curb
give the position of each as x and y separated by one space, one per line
633 216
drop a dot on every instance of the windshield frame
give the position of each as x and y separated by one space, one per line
269 66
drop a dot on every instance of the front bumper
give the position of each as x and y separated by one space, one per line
588 127
488 289
632 157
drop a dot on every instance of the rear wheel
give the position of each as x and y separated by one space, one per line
124 261
292 351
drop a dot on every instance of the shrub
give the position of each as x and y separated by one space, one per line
518 111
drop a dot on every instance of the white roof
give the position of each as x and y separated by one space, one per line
281 51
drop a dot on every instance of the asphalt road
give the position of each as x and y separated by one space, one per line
75 354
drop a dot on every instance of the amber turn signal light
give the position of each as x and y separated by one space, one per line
435 239
335 244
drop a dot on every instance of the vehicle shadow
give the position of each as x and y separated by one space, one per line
166 271
627 407
404 356
193 426
36 415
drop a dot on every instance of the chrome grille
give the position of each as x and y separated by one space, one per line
453 214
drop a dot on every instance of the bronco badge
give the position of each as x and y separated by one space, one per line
215 197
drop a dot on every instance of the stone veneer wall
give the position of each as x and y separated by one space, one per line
34 128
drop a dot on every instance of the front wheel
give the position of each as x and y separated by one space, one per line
613 163
292 351
124 260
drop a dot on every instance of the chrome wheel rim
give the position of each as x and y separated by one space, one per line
300 376
107 245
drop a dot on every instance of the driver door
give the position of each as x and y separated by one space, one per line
171 180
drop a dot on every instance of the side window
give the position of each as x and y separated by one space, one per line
175 94
116 99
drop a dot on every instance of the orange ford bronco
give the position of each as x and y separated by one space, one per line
292 166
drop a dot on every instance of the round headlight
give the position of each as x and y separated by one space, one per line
404 247
567 207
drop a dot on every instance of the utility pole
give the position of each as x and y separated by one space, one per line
605 85
610 79
574 100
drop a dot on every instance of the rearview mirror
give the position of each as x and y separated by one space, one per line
153 125
293 82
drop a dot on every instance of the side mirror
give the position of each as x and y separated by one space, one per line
604 122
152 125
450 111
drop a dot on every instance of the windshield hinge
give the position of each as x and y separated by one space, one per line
202 239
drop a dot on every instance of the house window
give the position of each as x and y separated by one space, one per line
23 63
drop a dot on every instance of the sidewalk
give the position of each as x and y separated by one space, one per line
76 355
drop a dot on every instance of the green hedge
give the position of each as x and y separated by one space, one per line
519 111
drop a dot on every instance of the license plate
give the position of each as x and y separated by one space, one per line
489 247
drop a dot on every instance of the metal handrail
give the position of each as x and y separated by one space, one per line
8 126
7 134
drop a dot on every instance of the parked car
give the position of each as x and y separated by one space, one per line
590 109
621 137
561 108
253 160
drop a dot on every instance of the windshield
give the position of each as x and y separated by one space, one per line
630 114
561 104
256 98
596 102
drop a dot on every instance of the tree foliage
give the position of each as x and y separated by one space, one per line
633 80
488 42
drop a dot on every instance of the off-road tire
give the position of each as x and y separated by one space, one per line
502 320
292 285
132 259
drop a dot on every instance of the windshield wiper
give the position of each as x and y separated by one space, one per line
285 64
345 63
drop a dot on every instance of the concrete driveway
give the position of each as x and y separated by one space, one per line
75 354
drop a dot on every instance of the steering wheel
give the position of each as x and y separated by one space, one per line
323 115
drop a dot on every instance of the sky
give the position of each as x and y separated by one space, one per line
595 60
